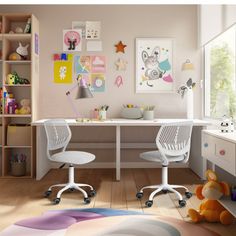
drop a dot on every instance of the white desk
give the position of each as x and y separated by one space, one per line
197 164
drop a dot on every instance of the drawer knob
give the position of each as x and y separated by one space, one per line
222 152
205 145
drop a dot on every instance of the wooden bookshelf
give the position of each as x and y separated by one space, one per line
27 69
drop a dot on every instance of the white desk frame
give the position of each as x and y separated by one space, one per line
197 164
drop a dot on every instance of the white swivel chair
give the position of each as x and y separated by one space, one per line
58 136
173 141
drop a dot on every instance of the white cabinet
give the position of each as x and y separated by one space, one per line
219 148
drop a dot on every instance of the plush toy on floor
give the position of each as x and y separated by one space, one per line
210 209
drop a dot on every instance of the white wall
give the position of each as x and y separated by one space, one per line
213 20
118 23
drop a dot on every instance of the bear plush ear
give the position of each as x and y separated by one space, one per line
211 175
225 188
198 192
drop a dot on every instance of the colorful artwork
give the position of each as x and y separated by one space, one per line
119 81
120 47
97 83
154 66
98 64
72 40
63 72
82 64
93 29
121 64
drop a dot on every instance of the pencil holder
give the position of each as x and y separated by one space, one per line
102 115
148 115
18 168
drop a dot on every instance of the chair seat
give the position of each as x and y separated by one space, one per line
156 157
73 157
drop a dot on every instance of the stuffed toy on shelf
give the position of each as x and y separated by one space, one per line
25 107
210 209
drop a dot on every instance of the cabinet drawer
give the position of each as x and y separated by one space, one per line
219 152
208 146
225 155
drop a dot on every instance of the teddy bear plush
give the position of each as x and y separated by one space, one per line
25 109
210 209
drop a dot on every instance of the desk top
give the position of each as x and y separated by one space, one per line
124 122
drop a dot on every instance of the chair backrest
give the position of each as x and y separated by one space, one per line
174 139
58 134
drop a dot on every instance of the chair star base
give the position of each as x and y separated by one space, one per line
71 185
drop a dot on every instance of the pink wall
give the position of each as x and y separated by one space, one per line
118 23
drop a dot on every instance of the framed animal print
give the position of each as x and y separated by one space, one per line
154 65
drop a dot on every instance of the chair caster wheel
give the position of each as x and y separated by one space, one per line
139 195
182 203
148 203
86 200
165 191
92 193
71 189
188 194
47 193
56 200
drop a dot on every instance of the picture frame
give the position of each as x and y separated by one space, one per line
72 40
154 65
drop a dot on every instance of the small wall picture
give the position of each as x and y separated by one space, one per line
97 83
154 65
93 29
63 72
98 64
82 64
72 40
79 25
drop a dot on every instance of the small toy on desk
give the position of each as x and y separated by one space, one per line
227 125
210 209
25 109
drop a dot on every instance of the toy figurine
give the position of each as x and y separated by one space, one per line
23 51
27 26
25 109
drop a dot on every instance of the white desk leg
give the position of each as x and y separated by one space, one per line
118 152
196 162
43 165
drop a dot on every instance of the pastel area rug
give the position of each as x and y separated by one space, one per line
103 222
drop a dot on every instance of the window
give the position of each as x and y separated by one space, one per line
220 81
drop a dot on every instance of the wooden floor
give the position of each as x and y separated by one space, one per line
22 198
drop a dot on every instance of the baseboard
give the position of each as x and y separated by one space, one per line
104 165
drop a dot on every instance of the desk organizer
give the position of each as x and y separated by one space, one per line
131 113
